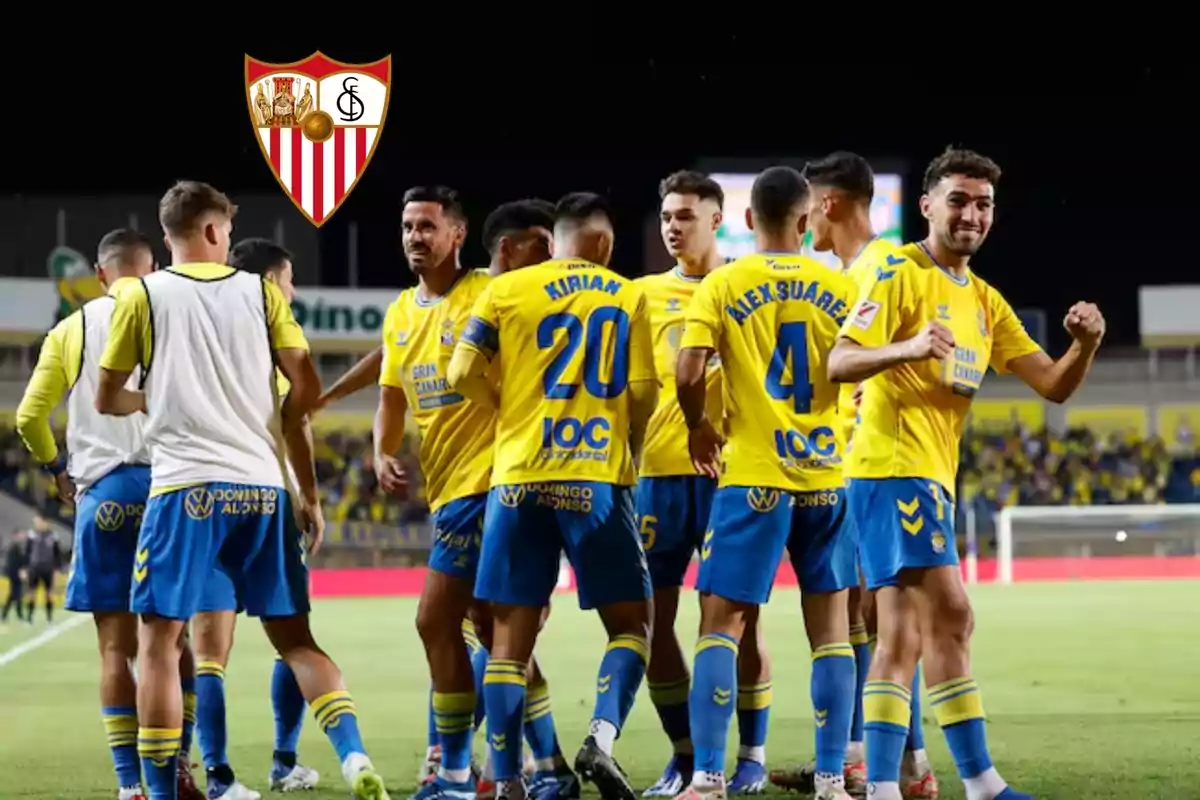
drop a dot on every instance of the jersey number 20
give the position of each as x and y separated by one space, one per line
592 337
791 350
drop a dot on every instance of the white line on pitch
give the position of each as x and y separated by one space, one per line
45 637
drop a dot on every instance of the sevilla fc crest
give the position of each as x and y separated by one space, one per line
318 122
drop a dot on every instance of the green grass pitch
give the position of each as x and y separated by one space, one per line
1092 690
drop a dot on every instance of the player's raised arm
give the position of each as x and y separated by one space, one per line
701 335
865 345
1014 351
643 380
479 344
389 416
129 344
363 374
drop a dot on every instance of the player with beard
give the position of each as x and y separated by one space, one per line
673 500
420 330
922 336
839 218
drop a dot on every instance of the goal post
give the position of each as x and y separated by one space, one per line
1086 532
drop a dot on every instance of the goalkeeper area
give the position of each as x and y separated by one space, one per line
1117 542
1090 689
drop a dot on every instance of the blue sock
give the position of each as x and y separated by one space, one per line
620 674
121 726
210 713
959 710
753 713
886 708
714 680
433 739
916 728
188 684
287 701
862 665
539 727
159 751
670 700
833 684
504 697
335 713
479 661
455 714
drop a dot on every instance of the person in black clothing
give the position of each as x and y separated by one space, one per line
14 569
44 559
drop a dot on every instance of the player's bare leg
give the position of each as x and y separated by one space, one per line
212 639
714 675
514 634
754 701
917 780
802 779
827 621
116 635
445 603
321 683
159 700
668 679
187 678
622 670
946 622
556 779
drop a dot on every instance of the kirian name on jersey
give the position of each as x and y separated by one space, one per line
573 284
785 290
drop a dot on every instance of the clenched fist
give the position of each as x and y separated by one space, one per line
933 341
1085 323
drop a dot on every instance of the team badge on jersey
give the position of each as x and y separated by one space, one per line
317 122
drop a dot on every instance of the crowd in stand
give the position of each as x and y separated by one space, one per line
1079 467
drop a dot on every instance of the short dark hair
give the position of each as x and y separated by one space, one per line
121 244
517 215
848 172
258 255
959 161
775 194
687 181
183 205
579 206
444 196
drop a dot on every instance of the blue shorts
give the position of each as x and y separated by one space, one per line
903 523
106 534
527 528
750 528
672 518
457 533
217 547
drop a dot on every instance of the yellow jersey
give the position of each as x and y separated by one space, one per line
571 336
773 320
665 452
456 434
912 415
861 270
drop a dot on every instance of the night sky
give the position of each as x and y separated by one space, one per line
1099 192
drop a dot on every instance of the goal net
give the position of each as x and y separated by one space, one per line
1114 542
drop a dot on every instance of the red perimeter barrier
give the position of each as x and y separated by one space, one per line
407 582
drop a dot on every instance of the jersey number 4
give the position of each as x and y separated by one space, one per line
791 351
609 321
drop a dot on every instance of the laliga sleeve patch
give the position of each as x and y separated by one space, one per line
864 315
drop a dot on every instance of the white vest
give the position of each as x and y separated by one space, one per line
210 392
98 443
